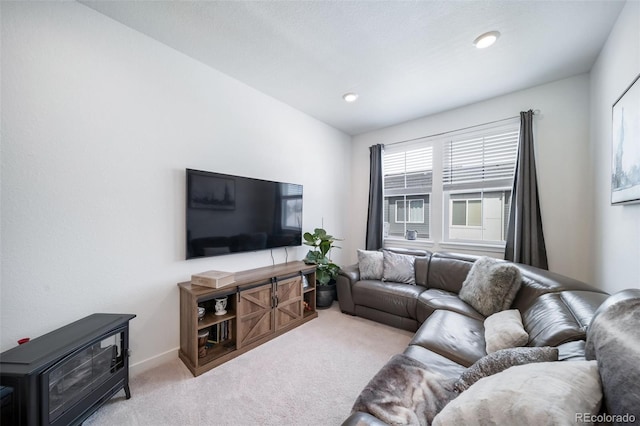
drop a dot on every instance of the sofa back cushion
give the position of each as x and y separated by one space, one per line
556 318
421 266
448 271
536 282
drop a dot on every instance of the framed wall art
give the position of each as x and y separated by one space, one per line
625 145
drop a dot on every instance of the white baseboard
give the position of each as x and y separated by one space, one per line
149 363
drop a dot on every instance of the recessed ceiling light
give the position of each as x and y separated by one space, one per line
350 97
486 39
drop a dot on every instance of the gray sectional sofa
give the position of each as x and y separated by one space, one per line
555 312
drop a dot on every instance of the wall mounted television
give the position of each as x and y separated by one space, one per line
233 214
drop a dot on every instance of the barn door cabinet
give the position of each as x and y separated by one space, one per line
262 304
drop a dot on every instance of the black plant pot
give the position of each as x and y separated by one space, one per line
325 295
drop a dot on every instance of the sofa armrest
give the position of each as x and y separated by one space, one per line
347 277
352 272
361 419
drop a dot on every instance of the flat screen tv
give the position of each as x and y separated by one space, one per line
233 214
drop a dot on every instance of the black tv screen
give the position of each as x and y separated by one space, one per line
233 214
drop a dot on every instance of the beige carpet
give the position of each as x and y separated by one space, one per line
309 376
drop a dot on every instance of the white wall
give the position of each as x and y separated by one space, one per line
99 123
616 242
561 134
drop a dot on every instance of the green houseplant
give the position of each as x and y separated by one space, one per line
326 270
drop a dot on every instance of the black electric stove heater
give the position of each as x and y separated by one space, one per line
63 377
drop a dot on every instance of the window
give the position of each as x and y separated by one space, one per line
471 185
414 214
408 177
466 213
477 175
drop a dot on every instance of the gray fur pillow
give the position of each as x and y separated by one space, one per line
370 264
398 268
501 360
491 285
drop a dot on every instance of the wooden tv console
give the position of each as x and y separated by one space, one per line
263 303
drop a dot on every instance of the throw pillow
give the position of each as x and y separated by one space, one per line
398 267
543 393
501 360
370 264
491 285
503 330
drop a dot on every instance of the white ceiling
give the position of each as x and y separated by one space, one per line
406 59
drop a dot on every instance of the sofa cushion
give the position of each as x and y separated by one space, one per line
501 360
452 335
448 272
382 317
491 285
398 267
571 351
535 394
394 298
550 322
504 330
370 264
536 281
421 266
432 299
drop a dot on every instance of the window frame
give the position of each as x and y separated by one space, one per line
409 190
446 238
439 201
466 212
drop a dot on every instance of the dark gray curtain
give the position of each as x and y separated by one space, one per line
525 239
374 217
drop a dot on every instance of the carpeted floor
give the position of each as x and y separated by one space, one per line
310 376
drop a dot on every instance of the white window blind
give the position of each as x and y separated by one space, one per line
408 172
480 160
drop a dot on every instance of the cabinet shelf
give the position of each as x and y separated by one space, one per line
217 350
212 319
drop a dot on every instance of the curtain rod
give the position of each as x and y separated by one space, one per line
536 111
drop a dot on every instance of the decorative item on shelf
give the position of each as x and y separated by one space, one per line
221 305
202 343
201 312
326 270
305 282
213 279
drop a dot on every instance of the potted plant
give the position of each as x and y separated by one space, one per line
326 270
